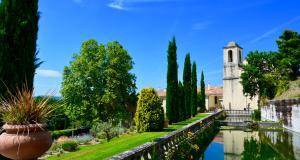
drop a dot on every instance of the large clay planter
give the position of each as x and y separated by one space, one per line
24 141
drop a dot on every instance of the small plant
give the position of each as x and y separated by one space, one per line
252 125
56 147
256 115
69 145
22 109
105 130
64 144
84 139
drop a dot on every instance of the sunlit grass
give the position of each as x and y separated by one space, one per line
123 143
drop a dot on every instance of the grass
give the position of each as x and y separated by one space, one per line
121 144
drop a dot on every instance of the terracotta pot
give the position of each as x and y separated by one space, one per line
24 141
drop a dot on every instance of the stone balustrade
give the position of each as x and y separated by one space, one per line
239 113
159 148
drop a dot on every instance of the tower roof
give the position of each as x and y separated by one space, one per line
232 44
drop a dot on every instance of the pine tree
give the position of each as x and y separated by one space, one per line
194 90
18 35
187 85
181 105
202 94
172 83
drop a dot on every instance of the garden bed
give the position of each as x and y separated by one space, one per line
123 143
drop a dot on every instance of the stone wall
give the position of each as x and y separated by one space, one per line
159 148
285 111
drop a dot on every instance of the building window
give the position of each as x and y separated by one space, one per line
216 100
240 56
230 56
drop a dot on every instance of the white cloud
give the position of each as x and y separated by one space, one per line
120 4
117 4
48 73
274 30
201 25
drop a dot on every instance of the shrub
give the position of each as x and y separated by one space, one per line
68 132
69 145
84 139
56 146
256 115
149 115
105 130
59 133
64 144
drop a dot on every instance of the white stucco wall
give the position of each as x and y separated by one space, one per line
233 97
210 101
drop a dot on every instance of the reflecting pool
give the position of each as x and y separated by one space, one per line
257 145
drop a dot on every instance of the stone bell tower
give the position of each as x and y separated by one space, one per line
233 97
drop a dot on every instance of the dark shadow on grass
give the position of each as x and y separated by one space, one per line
169 129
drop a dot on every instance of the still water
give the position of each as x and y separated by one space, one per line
262 145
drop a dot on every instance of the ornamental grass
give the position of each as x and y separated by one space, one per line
21 108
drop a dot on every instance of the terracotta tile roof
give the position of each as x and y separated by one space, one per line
208 91
214 90
161 92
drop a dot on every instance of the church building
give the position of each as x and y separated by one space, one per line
233 97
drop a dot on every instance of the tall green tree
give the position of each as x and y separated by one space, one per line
260 75
181 103
289 52
194 90
172 83
18 35
187 84
98 84
149 115
202 93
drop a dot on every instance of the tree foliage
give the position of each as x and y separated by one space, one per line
266 74
194 90
57 120
98 84
181 103
261 74
172 83
202 94
149 115
289 52
187 84
18 35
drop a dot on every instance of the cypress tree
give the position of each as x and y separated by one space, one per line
181 105
187 85
194 90
18 35
172 83
202 93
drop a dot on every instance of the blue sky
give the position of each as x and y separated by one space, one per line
144 28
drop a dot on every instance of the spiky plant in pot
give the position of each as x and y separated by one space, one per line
25 136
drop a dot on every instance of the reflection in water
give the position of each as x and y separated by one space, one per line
237 145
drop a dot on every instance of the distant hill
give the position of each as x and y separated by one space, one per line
54 97
292 92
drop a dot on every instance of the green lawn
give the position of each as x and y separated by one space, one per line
121 144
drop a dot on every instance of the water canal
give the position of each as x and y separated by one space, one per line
256 145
